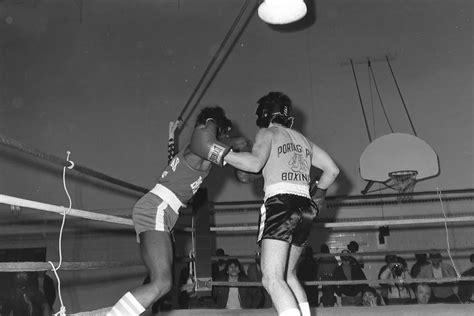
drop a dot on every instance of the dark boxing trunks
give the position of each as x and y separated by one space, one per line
287 217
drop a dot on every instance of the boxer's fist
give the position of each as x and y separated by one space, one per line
205 144
241 144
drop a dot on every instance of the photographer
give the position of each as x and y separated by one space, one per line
396 269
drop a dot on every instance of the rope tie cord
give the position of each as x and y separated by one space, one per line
62 310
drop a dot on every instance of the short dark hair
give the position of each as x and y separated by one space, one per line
371 290
435 255
471 258
217 114
233 261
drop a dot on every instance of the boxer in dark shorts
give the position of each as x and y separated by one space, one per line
284 156
287 218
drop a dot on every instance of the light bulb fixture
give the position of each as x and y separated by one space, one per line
282 11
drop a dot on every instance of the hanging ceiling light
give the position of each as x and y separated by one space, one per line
282 11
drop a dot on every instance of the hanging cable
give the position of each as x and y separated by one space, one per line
361 104
369 64
223 59
214 58
401 97
372 103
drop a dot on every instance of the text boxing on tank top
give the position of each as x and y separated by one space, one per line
288 167
182 179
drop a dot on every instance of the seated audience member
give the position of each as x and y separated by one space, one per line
371 298
421 260
254 273
26 298
353 247
218 267
398 293
236 297
442 292
466 288
349 269
47 287
326 267
308 271
423 293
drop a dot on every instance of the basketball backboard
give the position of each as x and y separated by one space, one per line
398 152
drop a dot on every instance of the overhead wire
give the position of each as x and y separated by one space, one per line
213 60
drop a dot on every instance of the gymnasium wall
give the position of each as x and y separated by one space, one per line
102 79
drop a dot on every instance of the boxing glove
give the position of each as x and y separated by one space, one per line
319 197
238 144
241 144
205 144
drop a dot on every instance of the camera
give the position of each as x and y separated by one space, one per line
397 269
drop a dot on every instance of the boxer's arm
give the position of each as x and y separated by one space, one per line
255 160
171 139
323 161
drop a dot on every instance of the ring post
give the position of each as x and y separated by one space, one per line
203 244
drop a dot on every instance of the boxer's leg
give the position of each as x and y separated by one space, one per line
273 261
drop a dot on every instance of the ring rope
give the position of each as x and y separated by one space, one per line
188 287
65 266
10 200
11 143
361 223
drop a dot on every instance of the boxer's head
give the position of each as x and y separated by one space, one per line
274 107
217 115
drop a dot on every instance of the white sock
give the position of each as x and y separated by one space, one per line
290 312
304 309
127 306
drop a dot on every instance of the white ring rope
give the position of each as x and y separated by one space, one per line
342 282
10 200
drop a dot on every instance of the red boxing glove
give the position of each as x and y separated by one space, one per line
204 144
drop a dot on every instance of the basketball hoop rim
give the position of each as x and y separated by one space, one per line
394 174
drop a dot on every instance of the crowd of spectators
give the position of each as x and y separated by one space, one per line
349 266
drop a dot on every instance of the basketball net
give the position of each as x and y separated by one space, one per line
404 182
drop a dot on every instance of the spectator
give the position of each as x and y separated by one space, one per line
308 271
421 260
466 288
254 273
398 293
326 267
353 247
371 298
445 292
218 267
423 293
47 287
26 298
349 269
235 297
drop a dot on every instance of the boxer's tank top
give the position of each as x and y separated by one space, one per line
181 179
288 167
